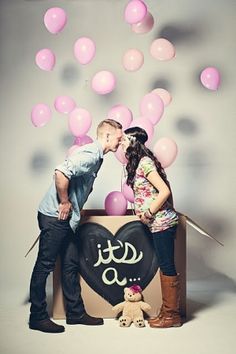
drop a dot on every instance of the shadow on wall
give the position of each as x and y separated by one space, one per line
67 140
206 287
177 33
70 75
40 162
208 292
162 83
187 126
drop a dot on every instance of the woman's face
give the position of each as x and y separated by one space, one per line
125 142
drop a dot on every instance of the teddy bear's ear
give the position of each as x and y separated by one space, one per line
125 289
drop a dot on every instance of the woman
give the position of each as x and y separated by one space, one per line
154 206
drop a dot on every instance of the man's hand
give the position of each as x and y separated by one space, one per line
64 210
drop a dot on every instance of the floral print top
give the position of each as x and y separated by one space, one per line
145 193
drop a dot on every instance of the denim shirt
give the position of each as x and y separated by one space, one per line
81 169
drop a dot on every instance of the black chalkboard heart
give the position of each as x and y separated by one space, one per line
109 263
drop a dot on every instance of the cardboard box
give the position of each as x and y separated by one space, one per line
95 304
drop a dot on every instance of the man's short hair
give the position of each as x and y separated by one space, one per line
111 122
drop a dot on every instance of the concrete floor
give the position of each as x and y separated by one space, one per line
210 328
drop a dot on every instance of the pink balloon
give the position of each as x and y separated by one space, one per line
152 107
103 82
83 140
135 11
146 124
133 60
55 19
210 78
166 151
115 203
128 193
40 114
84 50
162 49
45 59
145 25
64 104
80 121
121 114
120 155
164 95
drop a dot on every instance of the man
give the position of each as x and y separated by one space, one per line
58 218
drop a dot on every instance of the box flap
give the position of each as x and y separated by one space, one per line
193 224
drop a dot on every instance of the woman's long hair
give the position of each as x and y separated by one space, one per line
136 151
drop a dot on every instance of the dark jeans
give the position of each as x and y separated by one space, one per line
164 244
56 238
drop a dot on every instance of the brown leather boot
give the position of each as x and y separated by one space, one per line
170 314
160 314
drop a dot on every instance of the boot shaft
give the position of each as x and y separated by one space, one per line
170 287
170 310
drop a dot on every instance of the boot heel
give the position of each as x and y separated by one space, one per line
177 325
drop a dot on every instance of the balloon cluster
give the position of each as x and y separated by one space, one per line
55 20
141 21
79 122
151 105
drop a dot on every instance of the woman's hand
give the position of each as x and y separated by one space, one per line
146 217
64 210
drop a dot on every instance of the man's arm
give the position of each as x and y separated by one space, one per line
62 186
76 165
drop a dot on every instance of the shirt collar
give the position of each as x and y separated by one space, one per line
100 149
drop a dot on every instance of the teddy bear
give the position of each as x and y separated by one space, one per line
132 308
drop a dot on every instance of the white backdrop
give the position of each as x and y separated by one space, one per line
202 122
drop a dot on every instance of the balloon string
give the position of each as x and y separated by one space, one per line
132 208
123 176
123 179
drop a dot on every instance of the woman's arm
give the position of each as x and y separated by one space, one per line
163 194
163 191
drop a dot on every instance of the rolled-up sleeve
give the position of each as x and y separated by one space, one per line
78 164
147 165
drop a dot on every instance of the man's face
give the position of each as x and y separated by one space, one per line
115 139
